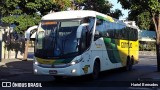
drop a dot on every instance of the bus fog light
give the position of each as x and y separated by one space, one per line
73 71
35 70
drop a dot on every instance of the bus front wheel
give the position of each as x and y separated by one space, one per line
96 70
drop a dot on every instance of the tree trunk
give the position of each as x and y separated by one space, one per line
26 51
158 44
157 27
158 52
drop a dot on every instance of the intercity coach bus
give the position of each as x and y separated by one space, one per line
83 42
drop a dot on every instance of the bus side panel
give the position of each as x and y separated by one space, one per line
134 50
113 52
118 50
100 51
96 52
126 49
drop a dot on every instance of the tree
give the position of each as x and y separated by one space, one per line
102 6
150 8
62 4
116 14
24 13
143 20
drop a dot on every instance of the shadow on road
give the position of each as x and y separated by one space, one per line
14 68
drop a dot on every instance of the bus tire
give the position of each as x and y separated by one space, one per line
132 61
96 70
129 64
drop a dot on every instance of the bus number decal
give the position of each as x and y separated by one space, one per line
126 45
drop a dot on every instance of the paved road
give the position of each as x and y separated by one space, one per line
146 66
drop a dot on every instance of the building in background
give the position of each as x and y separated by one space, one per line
147 40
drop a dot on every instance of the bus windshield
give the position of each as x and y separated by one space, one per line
57 38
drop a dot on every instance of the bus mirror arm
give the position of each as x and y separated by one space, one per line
79 30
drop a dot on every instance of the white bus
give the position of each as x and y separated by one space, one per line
76 43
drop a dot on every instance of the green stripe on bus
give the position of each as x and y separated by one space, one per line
107 18
112 50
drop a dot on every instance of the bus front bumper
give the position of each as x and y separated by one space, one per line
73 70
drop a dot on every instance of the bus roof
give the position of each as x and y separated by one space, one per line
69 15
73 14
76 14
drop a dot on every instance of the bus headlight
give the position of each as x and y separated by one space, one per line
76 61
35 61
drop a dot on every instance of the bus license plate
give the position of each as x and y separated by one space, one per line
52 71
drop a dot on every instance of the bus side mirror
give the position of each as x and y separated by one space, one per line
97 35
79 30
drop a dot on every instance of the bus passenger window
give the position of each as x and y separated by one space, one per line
99 29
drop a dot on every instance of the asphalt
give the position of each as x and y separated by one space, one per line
13 67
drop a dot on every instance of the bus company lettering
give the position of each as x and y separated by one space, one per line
126 45
98 45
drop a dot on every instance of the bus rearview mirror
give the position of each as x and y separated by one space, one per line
79 30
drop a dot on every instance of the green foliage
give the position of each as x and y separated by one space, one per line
103 6
147 46
25 21
142 11
116 14
9 19
144 21
79 1
23 13
62 4
22 22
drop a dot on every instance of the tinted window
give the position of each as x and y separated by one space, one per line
118 31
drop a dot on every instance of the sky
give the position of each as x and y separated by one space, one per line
119 6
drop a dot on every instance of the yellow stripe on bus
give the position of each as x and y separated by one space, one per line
45 61
126 49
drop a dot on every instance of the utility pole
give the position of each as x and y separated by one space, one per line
26 50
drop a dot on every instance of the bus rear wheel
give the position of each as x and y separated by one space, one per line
129 63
